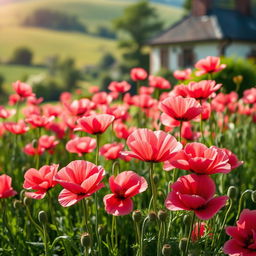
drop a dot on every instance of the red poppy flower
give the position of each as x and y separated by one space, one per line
79 107
150 146
159 82
243 242
6 189
144 101
197 158
5 113
52 110
102 98
40 180
121 130
95 124
81 145
209 65
32 150
195 193
13 99
79 179
202 90
146 90
199 230
65 97
111 151
16 128
93 89
34 101
124 186
22 89
249 96
119 87
47 142
39 121
233 160
138 74
181 109
182 74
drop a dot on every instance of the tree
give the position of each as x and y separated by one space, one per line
138 24
22 56
187 5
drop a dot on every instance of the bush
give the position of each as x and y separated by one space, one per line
22 56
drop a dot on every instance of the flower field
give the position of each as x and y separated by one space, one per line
167 171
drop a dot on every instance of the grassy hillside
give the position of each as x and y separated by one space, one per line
87 50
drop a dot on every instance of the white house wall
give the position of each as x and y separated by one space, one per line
201 50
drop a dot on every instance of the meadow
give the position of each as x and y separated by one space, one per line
167 171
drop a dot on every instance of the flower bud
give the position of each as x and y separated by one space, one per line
85 240
187 219
34 144
152 216
27 201
238 79
17 204
162 215
253 195
183 244
22 193
156 179
42 217
232 192
166 250
136 216
101 229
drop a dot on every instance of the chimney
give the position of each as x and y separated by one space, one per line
244 7
200 7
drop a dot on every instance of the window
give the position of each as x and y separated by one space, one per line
164 57
187 58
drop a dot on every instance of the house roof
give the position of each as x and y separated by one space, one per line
219 24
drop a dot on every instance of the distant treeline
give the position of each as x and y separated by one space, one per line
54 20
50 19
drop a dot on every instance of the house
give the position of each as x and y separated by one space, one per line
213 28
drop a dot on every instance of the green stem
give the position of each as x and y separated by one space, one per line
159 239
202 124
142 235
241 201
46 247
180 131
190 233
153 187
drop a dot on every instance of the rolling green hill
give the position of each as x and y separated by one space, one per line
86 49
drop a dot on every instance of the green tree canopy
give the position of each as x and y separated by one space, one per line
139 22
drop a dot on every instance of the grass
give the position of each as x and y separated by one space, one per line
44 43
13 73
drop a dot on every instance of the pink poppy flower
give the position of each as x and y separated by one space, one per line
22 89
6 189
146 90
39 121
80 179
95 124
102 98
121 130
138 74
150 146
93 89
124 186
181 109
120 87
249 96
31 150
182 74
5 113
199 231
52 110
79 107
144 101
202 90
198 158
81 145
159 82
65 97
40 180
111 151
47 142
16 128
34 101
243 242
209 65
13 99
195 193
233 160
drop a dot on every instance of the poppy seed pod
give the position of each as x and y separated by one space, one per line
136 216
232 192
42 217
183 244
85 240
152 216
253 196
166 250
162 215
